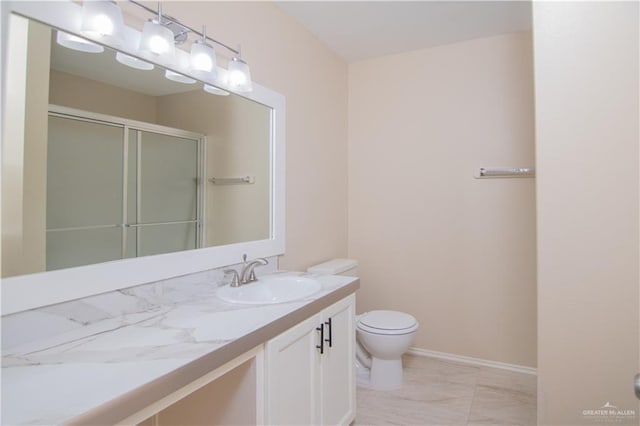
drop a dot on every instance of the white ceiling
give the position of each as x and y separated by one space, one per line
358 30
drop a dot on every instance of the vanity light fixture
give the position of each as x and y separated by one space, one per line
77 43
239 74
102 19
215 91
203 56
180 62
222 80
132 62
156 38
174 76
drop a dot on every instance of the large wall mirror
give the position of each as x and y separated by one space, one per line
105 167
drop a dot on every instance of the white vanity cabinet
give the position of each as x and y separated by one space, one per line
338 378
309 370
302 376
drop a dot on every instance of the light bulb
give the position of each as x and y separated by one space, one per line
132 62
102 19
174 76
77 43
158 45
215 91
239 76
157 39
203 57
102 24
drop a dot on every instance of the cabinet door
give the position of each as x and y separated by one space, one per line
338 367
293 375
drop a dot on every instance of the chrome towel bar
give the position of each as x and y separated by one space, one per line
506 172
232 180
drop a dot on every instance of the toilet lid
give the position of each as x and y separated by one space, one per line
388 320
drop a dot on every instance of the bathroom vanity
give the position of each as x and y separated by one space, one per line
173 353
113 339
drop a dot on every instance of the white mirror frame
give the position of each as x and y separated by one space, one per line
26 292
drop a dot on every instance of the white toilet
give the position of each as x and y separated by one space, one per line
382 336
385 335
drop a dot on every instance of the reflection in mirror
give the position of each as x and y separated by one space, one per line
135 193
119 162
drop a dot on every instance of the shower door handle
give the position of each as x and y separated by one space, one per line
174 222
636 385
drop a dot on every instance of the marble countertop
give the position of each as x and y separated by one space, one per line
81 359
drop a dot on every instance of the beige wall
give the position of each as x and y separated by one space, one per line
288 59
89 95
586 67
456 252
238 134
24 182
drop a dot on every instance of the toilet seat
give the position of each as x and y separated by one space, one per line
387 322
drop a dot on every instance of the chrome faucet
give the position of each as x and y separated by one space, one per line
248 275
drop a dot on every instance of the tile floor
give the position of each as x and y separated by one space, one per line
443 393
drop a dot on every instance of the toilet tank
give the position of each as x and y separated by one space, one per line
346 267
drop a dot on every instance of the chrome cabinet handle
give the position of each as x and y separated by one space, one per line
321 345
636 385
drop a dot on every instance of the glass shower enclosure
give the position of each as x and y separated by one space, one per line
118 189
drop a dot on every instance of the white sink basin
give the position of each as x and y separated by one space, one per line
270 290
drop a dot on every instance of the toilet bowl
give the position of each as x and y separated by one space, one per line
383 337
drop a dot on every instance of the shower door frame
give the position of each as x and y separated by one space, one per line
140 126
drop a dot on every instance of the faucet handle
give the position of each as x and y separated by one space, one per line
235 282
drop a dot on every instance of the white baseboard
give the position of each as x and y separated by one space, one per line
470 360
